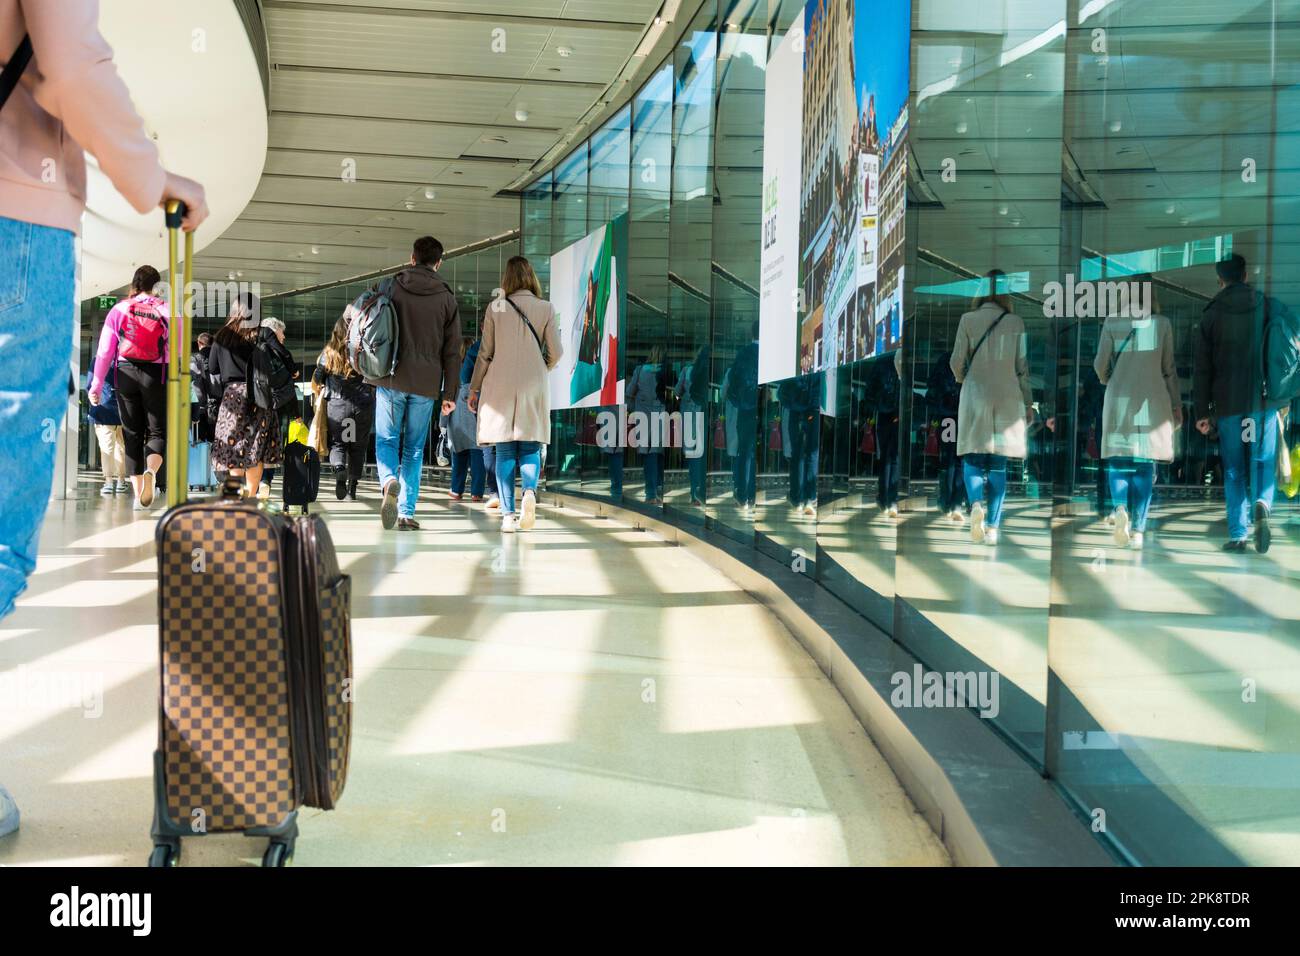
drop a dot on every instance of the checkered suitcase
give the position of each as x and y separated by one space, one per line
255 650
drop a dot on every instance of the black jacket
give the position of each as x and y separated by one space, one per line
428 347
228 358
1228 375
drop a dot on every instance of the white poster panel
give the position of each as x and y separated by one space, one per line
782 172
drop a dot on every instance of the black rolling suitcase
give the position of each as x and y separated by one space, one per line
301 474
255 712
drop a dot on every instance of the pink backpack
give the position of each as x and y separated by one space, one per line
142 336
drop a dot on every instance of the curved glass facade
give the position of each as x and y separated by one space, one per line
1086 149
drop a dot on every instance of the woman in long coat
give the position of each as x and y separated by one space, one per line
521 344
1142 409
990 361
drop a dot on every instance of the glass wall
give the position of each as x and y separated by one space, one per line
1039 484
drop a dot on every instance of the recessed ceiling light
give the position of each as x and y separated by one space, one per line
564 51
521 115
315 250
409 204
429 192
230 275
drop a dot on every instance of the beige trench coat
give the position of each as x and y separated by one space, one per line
1142 391
510 375
995 392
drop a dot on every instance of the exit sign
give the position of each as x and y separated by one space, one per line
105 302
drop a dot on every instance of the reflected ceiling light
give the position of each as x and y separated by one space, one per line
1002 210
429 192
230 275
1169 210
1115 126
962 127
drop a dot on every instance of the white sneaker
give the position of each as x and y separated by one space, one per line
956 517
1135 542
990 535
493 504
977 529
509 524
109 489
528 512
810 509
1123 527
892 511
264 491
123 487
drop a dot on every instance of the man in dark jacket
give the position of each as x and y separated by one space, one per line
428 351
1228 391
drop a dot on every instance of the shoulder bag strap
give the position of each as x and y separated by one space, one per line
536 338
1110 369
13 70
983 338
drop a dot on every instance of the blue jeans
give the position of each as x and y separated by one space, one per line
804 442
742 464
489 453
38 316
653 466
402 417
468 462
528 456
1132 482
986 471
1248 467
698 469
616 474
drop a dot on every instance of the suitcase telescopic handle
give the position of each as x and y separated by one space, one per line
178 356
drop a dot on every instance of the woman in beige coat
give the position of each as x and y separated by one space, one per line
990 362
1143 407
509 389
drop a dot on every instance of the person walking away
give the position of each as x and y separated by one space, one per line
428 349
740 397
108 433
509 389
941 398
1141 410
800 400
990 362
468 462
644 394
1228 396
284 372
692 392
67 95
203 416
133 349
247 436
349 412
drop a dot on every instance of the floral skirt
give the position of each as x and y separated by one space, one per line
246 435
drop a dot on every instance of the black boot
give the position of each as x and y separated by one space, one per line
352 489
340 482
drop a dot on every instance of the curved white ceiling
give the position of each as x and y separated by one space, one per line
192 74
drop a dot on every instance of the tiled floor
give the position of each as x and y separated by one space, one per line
583 694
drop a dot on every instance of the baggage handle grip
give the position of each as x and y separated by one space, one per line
176 211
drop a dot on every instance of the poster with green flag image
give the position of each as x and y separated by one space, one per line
588 290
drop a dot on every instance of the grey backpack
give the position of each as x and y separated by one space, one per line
373 332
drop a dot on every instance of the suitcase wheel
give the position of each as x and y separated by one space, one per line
165 854
278 854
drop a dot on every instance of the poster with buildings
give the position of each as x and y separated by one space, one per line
851 127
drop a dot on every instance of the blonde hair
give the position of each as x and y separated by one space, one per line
519 275
336 349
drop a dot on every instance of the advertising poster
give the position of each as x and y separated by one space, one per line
779 282
851 126
589 292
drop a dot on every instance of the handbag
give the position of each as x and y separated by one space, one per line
932 440
318 433
774 435
1094 452
462 423
868 444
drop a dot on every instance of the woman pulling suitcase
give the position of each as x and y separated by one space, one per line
247 436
